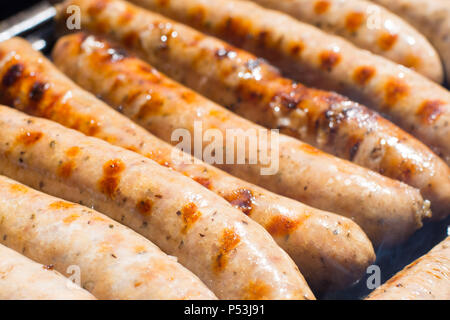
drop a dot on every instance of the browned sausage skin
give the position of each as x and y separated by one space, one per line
427 278
365 24
331 251
110 260
24 279
388 211
234 256
432 18
315 58
326 120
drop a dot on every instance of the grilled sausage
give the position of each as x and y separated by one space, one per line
427 278
315 58
113 261
432 18
24 279
304 173
325 120
233 255
329 260
368 26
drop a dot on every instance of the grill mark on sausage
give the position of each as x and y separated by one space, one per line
228 242
71 218
66 169
109 183
321 6
197 15
61 205
204 181
282 225
430 110
73 151
37 91
144 207
354 20
329 60
29 138
362 75
190 215
241 199
13 74
395 89
18 188
256 290
387 40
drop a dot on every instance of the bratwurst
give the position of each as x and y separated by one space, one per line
24 279
109 259
387 210
427 278
331 251
306 54
233 255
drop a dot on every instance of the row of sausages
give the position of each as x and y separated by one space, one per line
223 246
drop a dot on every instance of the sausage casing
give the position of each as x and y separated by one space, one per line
234 256
387 210
109 260
24 279
427 278
432 18
329 259
307 54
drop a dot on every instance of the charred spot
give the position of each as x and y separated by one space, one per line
395 89
197 15
152 106
256 290
354 20
145 206
430 110
387 40
18 188
363 74
163 3
282 226
228 241
126 17
37 91
241 199
61 205
354 150
411 61
97 7
296 48
71 218
263 37
329 59
66 169
111 176
188 96
321 6
203 181
310 149
12 74
29 138
131 39
73 151
190 215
